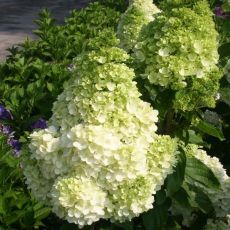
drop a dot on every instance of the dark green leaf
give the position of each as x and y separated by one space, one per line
210 130
42 213
203 201
68 226
156 218
224 50
182 198
3 204
125 225
175 180
199 172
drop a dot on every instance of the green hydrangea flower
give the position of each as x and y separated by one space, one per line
100 150
178 50
138 14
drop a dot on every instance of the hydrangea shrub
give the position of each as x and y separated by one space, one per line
100 151
101 155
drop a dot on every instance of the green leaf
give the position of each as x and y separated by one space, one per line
2 205
210 130
182 198
194 137
28 218
199 172
21 201
199 199
175 180
42 213
68 226
50 86
224 50
156 218
160 197
125 225
14 217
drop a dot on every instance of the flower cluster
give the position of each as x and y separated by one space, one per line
219 12
221 197
79 199
100 151
39 124
178 50
5 114
138 14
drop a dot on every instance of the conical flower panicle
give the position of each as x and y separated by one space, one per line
100 150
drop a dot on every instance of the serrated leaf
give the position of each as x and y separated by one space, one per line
199 172
175 180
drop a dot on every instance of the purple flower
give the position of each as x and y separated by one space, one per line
5 113
6 129
218 11
15 144
39 124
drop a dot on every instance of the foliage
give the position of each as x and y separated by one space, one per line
105 154
18 209
32 77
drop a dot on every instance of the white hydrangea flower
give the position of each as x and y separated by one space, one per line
100 151
132 198
161 159
36 182
138 14
80 200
